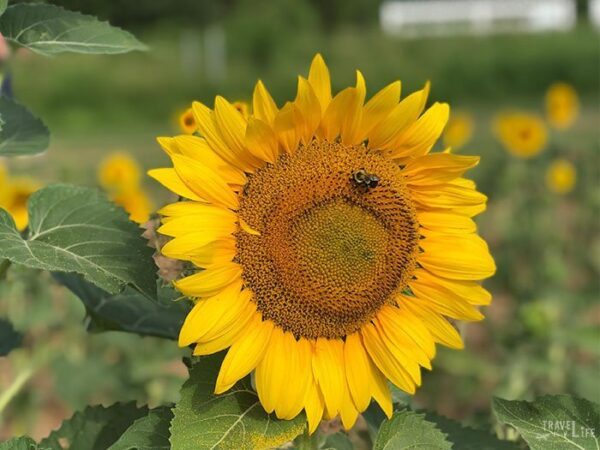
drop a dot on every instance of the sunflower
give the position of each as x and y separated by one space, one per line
562 105
14 194
561 176
187 122
459 130
332 247
523 134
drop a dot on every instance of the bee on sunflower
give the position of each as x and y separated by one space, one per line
331 245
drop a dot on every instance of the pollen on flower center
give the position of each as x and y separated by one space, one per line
330 252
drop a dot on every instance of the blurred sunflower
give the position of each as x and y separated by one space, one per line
120 176
523 134
331 245
458 131
187 123
561 176
562 105
243 108
14 193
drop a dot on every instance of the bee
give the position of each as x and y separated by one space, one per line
362 178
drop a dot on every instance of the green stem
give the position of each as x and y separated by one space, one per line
15 387
4 265
305 442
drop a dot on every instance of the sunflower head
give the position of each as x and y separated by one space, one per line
136 203
523 134
14 194
562 105
331 244
186 122
459 130
561 176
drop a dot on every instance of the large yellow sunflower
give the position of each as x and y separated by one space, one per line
333 244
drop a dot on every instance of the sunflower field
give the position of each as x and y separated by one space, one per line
252 225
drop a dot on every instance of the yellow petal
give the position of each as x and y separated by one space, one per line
220 251
319 79
298 378
285 127
229 334
351 124
384 360
209 282
469 291
205 182
458 257
335 115
444 301
449 196
328 369
186 247
418 139
310 110
271 372
348 412
446 221
215 221
381 392
413 327
206 314
387 131
263 106
379 107
169 179
205 118
314 406
262 140
437 168
247 228
442 331
358 371
245 354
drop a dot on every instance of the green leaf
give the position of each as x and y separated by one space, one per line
94 428
50 29
409 430
234 420
76 229
129 310
553 422
150 432
467 438
9 338
337 441
21 132
19 443
3 5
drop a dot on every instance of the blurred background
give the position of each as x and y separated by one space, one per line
497 62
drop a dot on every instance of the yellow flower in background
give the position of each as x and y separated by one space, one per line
561 176
562 105
243 108
14 193
523 134
120 176
137 203
187 123
119 172
459 130
331 245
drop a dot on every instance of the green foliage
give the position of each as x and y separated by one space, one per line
150 432
129 310
553 422
21 133
408 430
3 5
95 428
76 229
20 443
49 29
9 338
234 420
337 441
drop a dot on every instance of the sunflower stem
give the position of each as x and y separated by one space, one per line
15 387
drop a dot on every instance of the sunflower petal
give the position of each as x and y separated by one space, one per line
378 107
262 140
209 282
319 79
358 371
328 369
263 105
169 179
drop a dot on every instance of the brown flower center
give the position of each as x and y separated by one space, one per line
334 245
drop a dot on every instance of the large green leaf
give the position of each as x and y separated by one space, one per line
76 229
9 338
467 438
129 310
553 422
409 430
19 443
21 132
231 421
50 29
94 428
150 432
3 5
